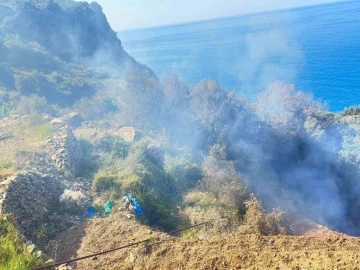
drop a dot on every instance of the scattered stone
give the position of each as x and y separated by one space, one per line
30 248
28 199
63 267
127 133
57 122
39 254
73 198
73 119
50 261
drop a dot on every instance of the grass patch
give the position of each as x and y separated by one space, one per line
34 129
189 234
34 133
13 252
6 166
105 182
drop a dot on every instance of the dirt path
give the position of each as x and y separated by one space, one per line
320 249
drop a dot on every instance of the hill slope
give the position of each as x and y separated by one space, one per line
320 248
57 48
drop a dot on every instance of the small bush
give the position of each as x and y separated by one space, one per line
259 222
95 108
158 211
184 173
105 182
220 195
114 145
7 107
88 162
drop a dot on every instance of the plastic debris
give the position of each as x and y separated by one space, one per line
108 206
138 209
91 212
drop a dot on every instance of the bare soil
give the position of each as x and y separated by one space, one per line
317 249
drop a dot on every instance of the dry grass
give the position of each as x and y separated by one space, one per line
7 167
27 137
259 222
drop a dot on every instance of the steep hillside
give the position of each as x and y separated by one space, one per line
56 49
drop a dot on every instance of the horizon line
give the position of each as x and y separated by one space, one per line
233 16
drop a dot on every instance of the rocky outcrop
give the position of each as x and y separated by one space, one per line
127 133
30 197
71 30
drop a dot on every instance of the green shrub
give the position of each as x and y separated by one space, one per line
33 105
13 252
184 173
99 208
158 212
7 107
105 182
116 146
142 173
95 108
88 162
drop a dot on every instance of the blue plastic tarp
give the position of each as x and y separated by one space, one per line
138 209
91 212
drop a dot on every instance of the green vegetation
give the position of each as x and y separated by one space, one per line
88 163
6 166
6 108
13 252
115 146
6 163
34 128
143 170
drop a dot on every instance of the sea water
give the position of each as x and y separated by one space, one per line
316 48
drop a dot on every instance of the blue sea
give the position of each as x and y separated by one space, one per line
316 48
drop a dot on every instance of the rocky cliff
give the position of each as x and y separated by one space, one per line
72 31
59 49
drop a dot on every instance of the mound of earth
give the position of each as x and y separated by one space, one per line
317 249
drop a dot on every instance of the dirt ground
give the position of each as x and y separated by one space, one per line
317 249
